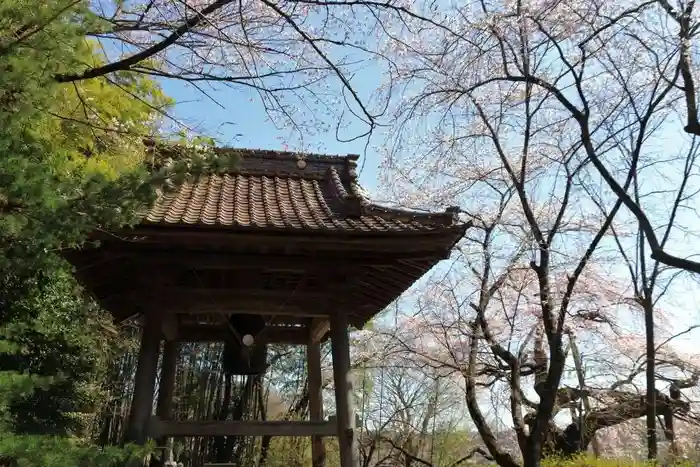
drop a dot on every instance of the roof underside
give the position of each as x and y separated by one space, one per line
287 239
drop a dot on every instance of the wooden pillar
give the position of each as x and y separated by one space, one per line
345 413
164 408
145 379
313 365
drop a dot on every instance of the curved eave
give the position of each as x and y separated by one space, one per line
258 229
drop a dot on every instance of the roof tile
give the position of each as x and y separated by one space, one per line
271 190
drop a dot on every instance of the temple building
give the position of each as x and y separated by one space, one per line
285 249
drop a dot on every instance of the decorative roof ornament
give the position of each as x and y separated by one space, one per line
360 192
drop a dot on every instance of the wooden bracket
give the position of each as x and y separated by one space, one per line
170 327
169 324
140 320
318 329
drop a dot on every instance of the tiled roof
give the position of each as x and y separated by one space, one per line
287 191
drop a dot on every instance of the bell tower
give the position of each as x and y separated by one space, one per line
274 252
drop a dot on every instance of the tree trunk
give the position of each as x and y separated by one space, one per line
578 363
571 441
532 457
670 434
652 449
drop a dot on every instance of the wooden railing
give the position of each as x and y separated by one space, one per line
171 428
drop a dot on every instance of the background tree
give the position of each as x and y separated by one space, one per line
71 161
651 281
568 56
537 263
519 112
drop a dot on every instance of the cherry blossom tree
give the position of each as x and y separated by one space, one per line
530 250
539 118
592 72
602 382
614 381
539 265
650 280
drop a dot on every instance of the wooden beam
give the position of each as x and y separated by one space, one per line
216 319
257 307
212 295
233 261
342 379
170 305
319 328
166 390
313 364
170 327
367 246
219 333
145 379
179 429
